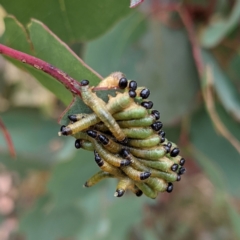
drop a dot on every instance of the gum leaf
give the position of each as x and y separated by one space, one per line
223 159
213 34
225 89
35 140
39 224
156 57
49 48
70 20
135 3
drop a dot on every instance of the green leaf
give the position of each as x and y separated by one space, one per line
235 219
225 89
49 48
213 34
47 222
71 176
70 20
155 56
215 154
34 138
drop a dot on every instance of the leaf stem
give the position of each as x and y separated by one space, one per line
8 139
59 75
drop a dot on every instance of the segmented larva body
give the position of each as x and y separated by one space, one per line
96 178
127 138
100 109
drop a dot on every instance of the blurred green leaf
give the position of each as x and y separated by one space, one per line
220 28
34 137
215 154
49 48
156 56
235 219
66 182
46 222
225 89
70 20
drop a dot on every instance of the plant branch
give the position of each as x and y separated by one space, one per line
8 139
70 83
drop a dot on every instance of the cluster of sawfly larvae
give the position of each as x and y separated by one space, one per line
127 139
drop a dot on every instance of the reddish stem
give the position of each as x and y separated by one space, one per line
188 23
64 78
8 139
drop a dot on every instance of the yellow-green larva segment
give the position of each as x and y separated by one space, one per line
175 159
145 143
133 112
106 167
168 177
87 145
143 122
148 191
111 81
157 184
133 173
119 102
100 109
139 133
123 185
163 164
83 123
111 146
134 188
152 154
96 178
107 156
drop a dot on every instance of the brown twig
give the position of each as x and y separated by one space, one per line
62 77
8 139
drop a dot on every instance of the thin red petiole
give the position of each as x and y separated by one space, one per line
64 78
8 139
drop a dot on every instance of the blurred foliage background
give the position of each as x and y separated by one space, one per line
186 53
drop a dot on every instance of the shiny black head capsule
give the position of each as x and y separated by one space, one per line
125 162
132 93
144 94
144 175
169 188
119 193
178 178
162 140
73 118
156 114
161 133
84 82
78 144
65 130
104 140
133 85
169 144
98 159
157 126
174 152
123 82
139 193
124 153
182 170
182 161
147 105
91 133
166 148
174 167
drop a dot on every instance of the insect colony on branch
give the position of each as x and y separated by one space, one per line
126 137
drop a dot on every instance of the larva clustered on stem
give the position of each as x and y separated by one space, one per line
127 139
